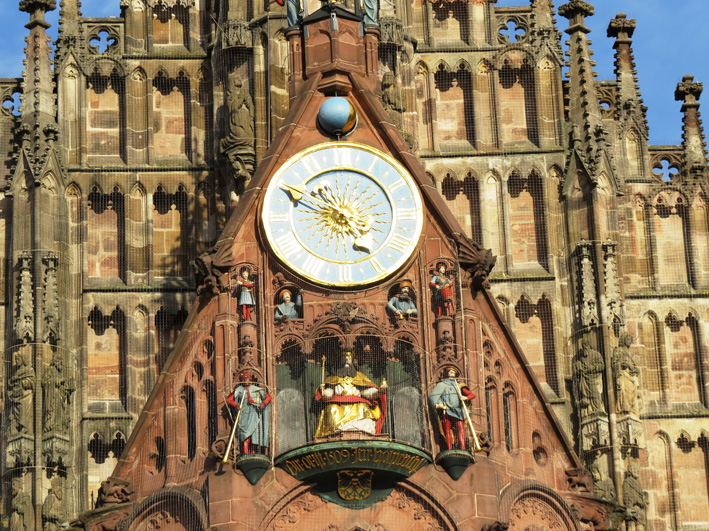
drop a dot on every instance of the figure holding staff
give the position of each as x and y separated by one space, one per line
250 407
448 399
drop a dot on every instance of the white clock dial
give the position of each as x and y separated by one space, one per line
342 214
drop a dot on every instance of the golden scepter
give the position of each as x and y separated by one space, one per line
476 442
225 459
322 385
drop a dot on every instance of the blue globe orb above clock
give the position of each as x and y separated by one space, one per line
337 116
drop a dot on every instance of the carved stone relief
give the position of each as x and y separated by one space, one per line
24 325
587 285
50 308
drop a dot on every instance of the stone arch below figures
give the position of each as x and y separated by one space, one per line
404 508
180 510
530 506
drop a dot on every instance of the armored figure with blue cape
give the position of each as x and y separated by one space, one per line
253 423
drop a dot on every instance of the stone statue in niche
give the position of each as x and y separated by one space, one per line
588 370
20 395
57 388
442 291
54 515
626 374
238 145
21 509
634 498
351 401
448 399
603 485
249 404
402 305
394 104
288 309
245 287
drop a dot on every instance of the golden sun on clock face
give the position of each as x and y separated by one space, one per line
342 214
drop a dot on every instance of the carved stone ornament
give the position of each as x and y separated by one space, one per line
530 512
587 285
594 433
54 512
28 6
475 261
615 308
50 308
626 375
113 491
133 5
238 144
236 33
20 395
578 480
211 268
292 514
21 508
24 324
588 367
634 497
57 388
392 31
630 431
169 4
345 313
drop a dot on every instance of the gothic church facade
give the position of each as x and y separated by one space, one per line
132 183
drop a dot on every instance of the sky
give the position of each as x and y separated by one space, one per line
670 41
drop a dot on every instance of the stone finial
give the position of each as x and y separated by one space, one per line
693 142
688 91
30 6
621 27
575 11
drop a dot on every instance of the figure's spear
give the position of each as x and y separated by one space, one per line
476 442
322 378
225 459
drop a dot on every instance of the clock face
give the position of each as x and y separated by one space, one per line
342 214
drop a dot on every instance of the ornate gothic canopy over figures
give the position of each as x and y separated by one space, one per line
344 265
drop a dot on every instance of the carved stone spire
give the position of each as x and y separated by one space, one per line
693 142
590 136
544 28
70 28
38 87
629 101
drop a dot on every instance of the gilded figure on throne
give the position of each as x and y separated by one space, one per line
352 402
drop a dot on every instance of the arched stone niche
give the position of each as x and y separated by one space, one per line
176 509
404 508
528 505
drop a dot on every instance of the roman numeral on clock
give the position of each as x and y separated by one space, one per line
395 185
344 273
312 265
275 218
287 244
376 265
406 214
399 243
